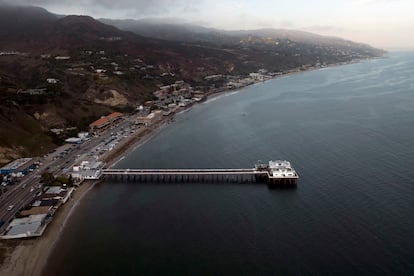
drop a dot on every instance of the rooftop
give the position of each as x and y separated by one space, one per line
99 122
54 190
25 227
106 119
36 211
282 169
114 115
16 164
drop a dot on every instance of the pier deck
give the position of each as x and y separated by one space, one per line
200 175
179 171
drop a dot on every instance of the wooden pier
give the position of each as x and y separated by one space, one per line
198 175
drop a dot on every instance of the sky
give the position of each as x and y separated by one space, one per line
387 24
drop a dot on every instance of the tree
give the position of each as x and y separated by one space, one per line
70 181
47 178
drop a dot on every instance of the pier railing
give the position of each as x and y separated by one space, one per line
197 175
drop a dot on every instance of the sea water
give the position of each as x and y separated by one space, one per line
349 133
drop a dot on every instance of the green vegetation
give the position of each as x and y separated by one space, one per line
49 180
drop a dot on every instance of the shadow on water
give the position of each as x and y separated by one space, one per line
286 188
282 189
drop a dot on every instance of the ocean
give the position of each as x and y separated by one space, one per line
347 130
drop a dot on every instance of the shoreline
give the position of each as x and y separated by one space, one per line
30 257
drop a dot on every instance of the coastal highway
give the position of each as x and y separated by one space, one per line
60 161
18 198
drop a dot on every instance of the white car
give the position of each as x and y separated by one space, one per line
10 207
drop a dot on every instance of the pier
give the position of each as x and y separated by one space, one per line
276 173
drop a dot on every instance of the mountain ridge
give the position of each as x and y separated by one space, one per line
192 32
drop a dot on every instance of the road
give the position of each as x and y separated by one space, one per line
59 163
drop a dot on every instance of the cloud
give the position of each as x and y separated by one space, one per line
364 20
120 8
287 24
324 29
373 2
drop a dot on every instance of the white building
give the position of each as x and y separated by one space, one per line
52 81
91 170
62 57
149 119
31 226
73 140
83 135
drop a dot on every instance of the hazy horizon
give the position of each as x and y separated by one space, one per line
381 23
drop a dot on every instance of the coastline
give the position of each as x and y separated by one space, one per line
29 257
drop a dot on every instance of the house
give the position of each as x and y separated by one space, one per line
31 226
214 77
88 169
37 210
83 135
52 81
74 140
62 58
149 119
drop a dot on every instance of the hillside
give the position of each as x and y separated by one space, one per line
64 72
198 34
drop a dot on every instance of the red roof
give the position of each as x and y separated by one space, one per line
114 115
105 120
99 122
